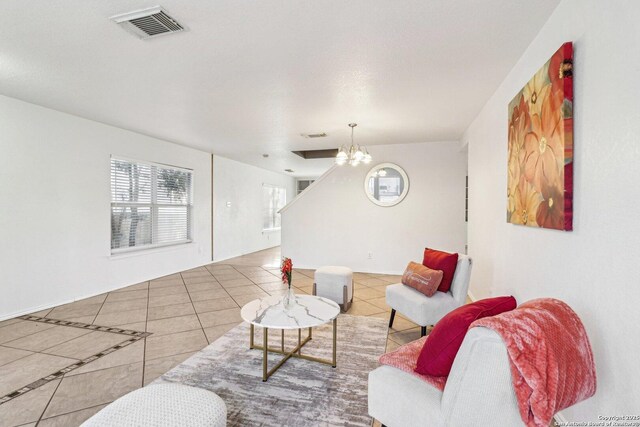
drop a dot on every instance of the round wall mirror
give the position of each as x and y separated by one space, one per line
386 184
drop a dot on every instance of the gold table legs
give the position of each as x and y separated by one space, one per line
295 352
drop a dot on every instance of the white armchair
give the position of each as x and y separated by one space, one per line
426 311
479 390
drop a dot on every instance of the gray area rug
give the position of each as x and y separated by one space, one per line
301 392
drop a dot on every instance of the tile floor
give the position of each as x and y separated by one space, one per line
184 312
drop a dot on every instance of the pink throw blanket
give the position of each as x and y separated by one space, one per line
551 360
405 357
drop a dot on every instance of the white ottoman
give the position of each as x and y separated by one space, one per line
163 405
335 283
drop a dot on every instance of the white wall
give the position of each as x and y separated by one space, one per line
594 268
334 222
55 208
238 227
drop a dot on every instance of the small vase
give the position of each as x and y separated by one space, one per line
289 299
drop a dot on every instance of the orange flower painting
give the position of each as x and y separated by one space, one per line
540 147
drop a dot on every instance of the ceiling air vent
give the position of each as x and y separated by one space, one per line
148 23
314 135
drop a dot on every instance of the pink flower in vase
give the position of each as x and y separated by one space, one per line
286 268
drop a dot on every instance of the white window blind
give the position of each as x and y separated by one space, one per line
273 199
151 205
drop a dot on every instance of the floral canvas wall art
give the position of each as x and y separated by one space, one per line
540 150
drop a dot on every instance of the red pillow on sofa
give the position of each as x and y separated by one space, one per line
440 349
438 260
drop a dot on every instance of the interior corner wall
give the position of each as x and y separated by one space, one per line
334 223
237 198
55 216
593 268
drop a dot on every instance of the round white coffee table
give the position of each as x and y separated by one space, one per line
308 312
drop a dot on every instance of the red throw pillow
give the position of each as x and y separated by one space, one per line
438 260
422 279
440 349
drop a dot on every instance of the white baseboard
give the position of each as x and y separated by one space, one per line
29 311
315 267
53 305
41 307
226 258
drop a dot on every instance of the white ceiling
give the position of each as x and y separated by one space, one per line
250 76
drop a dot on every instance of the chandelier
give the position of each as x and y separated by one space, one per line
355 154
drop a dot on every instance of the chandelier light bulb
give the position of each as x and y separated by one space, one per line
382 172
367 157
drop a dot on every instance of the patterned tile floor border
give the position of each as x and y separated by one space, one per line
134 336
81 325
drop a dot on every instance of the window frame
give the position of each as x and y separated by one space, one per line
276 212
153 207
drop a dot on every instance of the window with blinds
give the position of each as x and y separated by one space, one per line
151 205
273 199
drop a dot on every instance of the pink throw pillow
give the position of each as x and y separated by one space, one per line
440 349
422 279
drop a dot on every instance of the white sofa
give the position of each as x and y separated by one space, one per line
426 311
479 390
